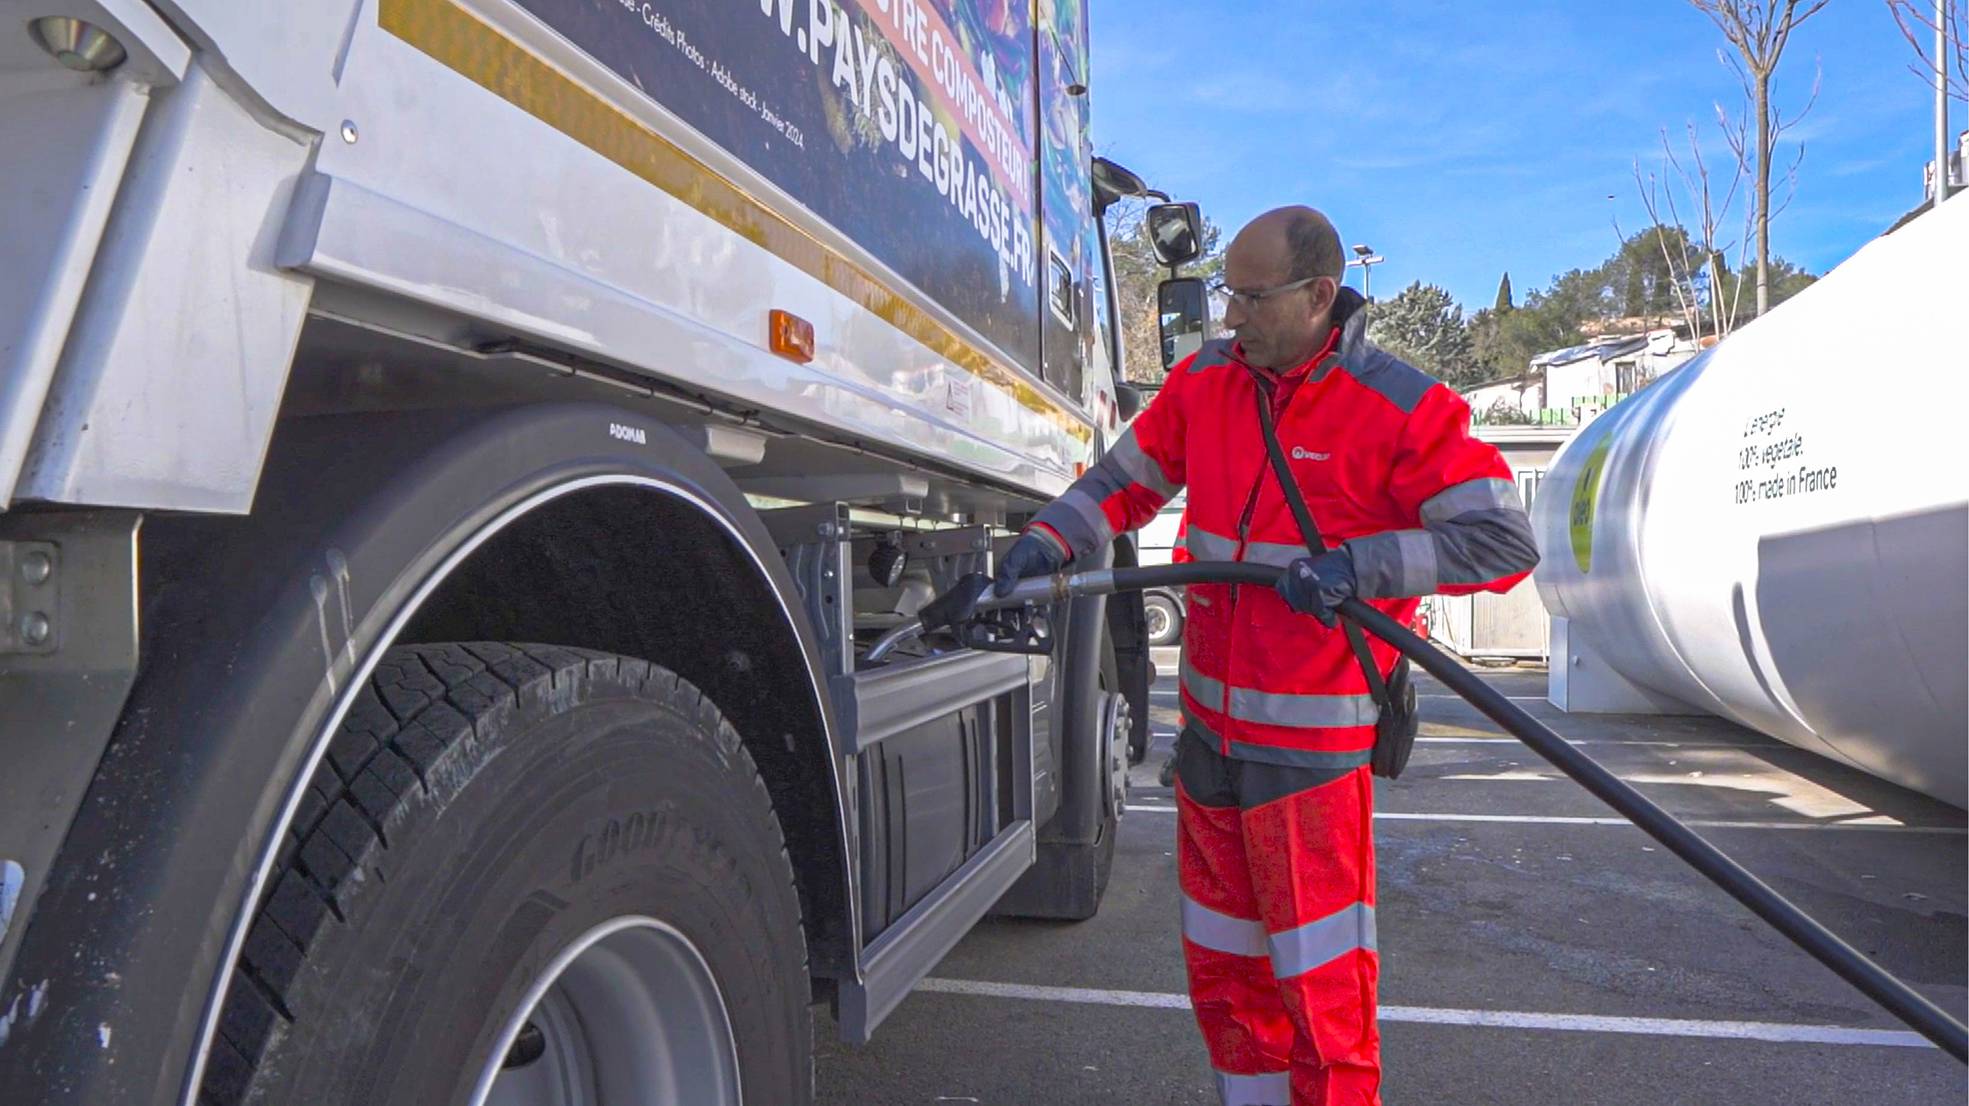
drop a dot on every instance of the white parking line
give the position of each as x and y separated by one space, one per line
1509 1019
1563 820
1592 741
1604 741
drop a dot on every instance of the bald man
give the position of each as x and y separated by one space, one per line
1283 712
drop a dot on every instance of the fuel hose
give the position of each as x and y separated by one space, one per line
1889 992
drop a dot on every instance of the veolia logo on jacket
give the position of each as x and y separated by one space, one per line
1301 453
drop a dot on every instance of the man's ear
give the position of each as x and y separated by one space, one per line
1326 292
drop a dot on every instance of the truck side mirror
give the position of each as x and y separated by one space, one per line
1175 233
1183 317
1128 401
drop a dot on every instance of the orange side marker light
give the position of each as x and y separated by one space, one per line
792 336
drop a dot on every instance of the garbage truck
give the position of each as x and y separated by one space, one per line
455 457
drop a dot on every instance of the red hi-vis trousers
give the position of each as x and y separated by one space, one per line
1277 872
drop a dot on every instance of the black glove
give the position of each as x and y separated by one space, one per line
1031 555
959 604
1318 585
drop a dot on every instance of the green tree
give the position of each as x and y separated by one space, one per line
1786 281
1576 296
1541 326
1424 326
1503 295
1503 412
1502 343
1487 362
1643 272
1648 277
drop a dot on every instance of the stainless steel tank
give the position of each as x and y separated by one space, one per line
1778 531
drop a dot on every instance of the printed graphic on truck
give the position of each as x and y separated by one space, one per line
909 125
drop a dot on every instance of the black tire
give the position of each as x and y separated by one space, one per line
483 806
1067 881
1164 617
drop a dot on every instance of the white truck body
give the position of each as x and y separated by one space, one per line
324 147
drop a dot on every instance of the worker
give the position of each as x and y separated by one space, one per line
1274 795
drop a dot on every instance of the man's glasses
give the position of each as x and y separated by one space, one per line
1250 300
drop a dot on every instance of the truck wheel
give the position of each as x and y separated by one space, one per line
524 874
1067 880
1165 618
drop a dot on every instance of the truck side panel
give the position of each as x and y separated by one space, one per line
57 203
167 388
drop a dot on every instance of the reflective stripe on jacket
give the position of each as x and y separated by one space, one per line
1383 455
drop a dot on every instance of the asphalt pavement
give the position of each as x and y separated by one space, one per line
1534 948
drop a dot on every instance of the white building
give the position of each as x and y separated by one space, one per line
1567 387
1528 418
1512 625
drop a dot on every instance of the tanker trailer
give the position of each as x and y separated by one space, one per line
1777 532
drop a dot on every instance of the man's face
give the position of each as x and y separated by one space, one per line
1281 330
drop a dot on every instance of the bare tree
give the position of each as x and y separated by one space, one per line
1759 213
1657 202
1136 275
1917 19
1760 30
1685 181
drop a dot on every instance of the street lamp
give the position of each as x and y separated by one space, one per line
1367 259
1941 102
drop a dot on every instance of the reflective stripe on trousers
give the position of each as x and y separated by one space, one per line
1293 952
1320 942
1222 932
1273 1088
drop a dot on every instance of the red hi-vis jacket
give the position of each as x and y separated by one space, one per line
1383 455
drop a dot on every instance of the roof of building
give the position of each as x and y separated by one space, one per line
1602 349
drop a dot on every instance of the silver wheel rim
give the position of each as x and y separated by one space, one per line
628 1014
1158 619
1117 719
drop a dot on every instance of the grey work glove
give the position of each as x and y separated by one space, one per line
1318 585
1032 555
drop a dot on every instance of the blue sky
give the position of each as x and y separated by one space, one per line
1463 139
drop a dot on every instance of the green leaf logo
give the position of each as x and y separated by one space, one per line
1585 497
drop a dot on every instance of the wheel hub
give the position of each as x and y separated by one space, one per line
629 1013
1118 719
